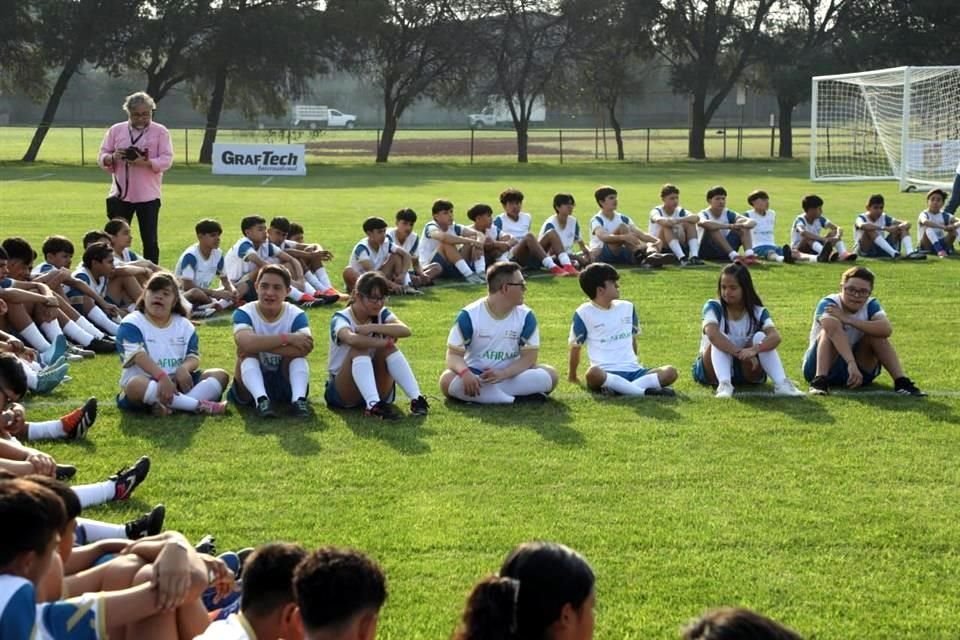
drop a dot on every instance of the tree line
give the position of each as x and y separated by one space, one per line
257 55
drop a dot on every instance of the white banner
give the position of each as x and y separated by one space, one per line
259 159
933 157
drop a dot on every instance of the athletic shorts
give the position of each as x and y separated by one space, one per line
619 256
125 404
276 385
711 251
737 377
876 252
333 400
764 249
837 376
449 270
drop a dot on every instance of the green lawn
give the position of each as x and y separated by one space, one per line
839 515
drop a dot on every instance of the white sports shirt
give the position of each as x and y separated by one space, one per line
608 334
569 235
290 320
168 346
491 342
339 350
203 272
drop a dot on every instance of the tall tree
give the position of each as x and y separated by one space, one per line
21 66
708 44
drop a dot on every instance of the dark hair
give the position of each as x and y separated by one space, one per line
602 193
373 223
277 270
57 244
594 276
3 254
333 585
811 201
95 236
163 280
19 249
441 205
408 215
207 226
268 577
876 198
71 503
511 195
372 281
280 224
12 373
561 199
668 190
97 251
759 194
478 210
39 515
751 298
943 194
296 229
535 582
858 272
251 221
114 225
728 623
715 191
499 273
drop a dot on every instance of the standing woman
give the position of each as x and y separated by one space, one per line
136 153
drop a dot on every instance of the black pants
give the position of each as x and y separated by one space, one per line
148 217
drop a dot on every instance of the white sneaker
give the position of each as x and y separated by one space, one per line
787 388
724 390
475 278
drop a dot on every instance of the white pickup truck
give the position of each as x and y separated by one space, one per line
497 111
314 113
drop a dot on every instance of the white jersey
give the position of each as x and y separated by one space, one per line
363 251
609 225
762 234
883 220
339 350
126 256
569 235
290 320
653 228
234 627
871 310
491 342
739 331
46 267
942 217
168 346
801 224
21 618
238 261
97 284
411 245
429 243
203 272
608 334
514 228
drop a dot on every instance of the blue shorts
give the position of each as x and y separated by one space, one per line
276 385
333 400
630 376
449 270
876 252
710 251
125 404
837 376
736 376
620 256
764 249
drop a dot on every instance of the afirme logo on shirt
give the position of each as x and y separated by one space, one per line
498 356
263 159
169 363
617 336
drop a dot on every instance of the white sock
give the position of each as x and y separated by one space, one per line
131 307
777 258
31 376
102 321
693 244
88 326
323 279
400 370
295 294
51 330
548 263
620 385
906 244
748 252
406 279
251 376
489 393
816 246
462 267
206 389
722 364
534 380
73 331
93 494
841 247
649 381
676 248
563 259
183 402
310 277
223 304
881 242
480 265
308 287
770 361
93 531
150 393
46 430
932 235
364 379
808 257
299 372
733 255
32 335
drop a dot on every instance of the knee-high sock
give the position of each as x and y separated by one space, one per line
34 338
489 393
100 319
563 259
816 246
311 277
534 380
400 370
840 246
93 530
183 402
295 294
722 364
31 377
934 237
206 389
299 372
676 248
308 287
881 242
480 265
907 244
51 330
46 430
693 244
73 331
363 377
624 387
323 279
252 377
462 267
89 327
548 263
649 381
96 493
770 361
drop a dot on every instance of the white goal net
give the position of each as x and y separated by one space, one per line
893 124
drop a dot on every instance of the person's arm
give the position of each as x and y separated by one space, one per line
456 362
806 234
865 225
17 295
527 359
712 225
878 327
742 222
88 291
287 345
718 340
643 235
108 148
769 343
573 363
82 557
925 221
132 269
165 158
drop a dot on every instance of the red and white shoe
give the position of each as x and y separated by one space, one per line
559 271
570 269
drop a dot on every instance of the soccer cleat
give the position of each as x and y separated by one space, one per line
834 257
657 260
941 254
751 260
207 545
149 524
48 379
787 389
824 255
475 278
724 390
570 269
264 409
531 398
126 480
663 392
203 311
916 255
695 261
300 408
419 406
905 387
74 350
787 254
305 298
101 345
76 423
56 352
559 271
381 410
65 472
819 386
846 256
212 408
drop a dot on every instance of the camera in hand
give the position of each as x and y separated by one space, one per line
132 153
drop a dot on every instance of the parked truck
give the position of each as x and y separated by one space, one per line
313 114
497 112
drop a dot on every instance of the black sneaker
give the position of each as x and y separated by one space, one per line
126 480
264 409
207 545
419 406
824 255
819 386
66 472
905 387
149 524
658 260
100 345
695 261
300 408
531 398
665 392
76 423
382 410
787 253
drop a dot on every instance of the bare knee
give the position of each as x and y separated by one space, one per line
445 379
595 378
667 375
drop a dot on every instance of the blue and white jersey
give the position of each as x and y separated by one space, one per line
203 272
235 627
290 320
238 261
942 217
569 233
168 346
739 331
46 267
514 228
491 342
339 320
801 225
363 251
21 618
871 310
411 245
762 234
83 275
608 334
126 256
429 244
883 220
728 216
653 228
609 225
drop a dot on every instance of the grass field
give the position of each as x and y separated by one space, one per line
839 516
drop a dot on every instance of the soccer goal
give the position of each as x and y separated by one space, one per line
891 124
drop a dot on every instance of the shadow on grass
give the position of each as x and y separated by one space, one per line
291 433
173 433
803 409
550 419
405 435
931 408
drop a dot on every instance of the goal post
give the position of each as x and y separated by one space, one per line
898 124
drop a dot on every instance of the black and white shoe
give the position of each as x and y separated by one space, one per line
126 480
905 387
149 524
